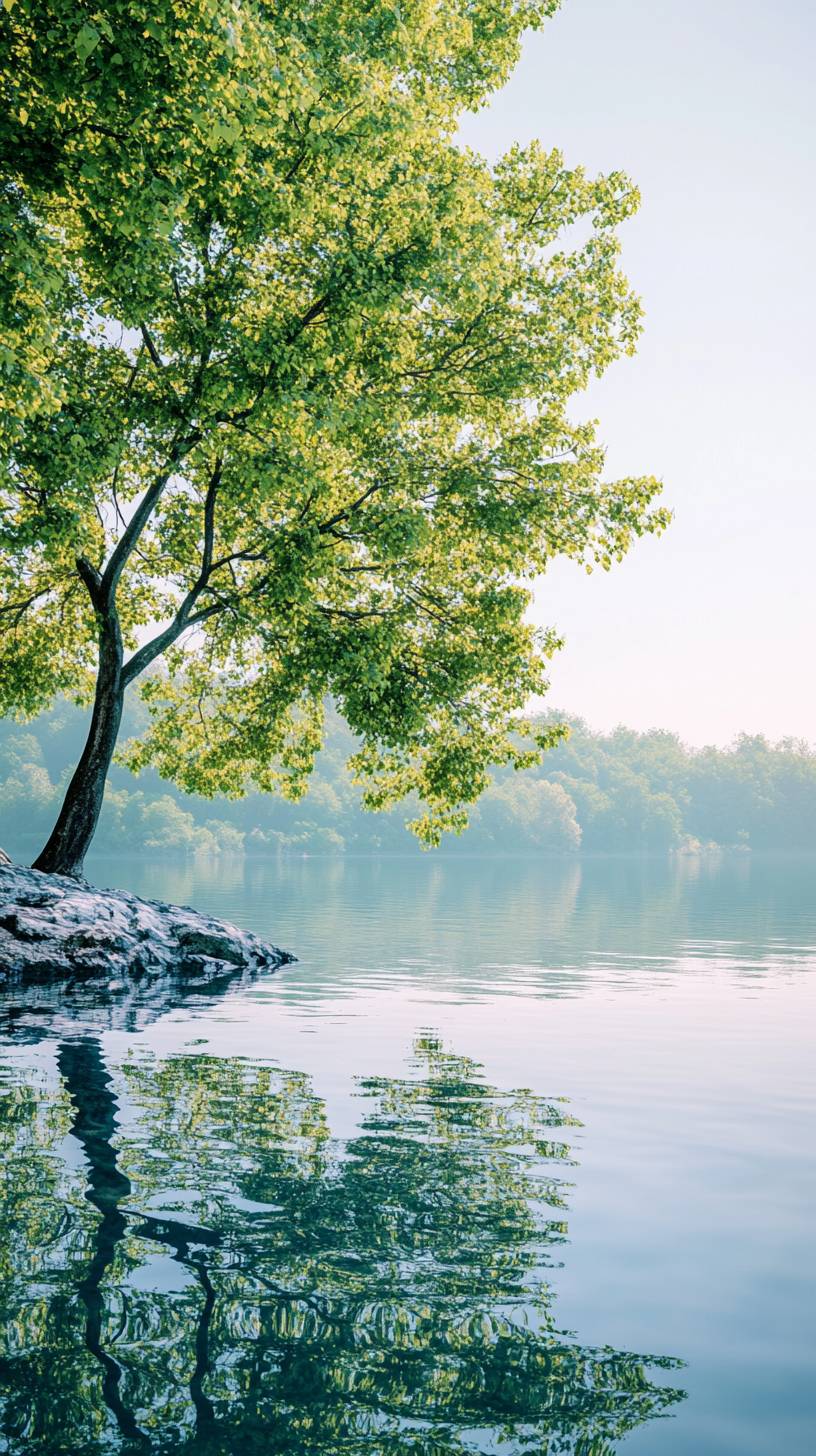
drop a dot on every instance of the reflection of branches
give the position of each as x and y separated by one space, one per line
388 1295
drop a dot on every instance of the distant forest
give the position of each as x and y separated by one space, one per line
621 792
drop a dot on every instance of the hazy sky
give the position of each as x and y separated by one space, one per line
711 106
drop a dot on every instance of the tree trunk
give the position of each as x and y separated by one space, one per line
64 854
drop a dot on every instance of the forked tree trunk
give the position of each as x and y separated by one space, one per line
64 854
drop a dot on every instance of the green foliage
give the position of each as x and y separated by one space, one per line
621 792
253 283
648 791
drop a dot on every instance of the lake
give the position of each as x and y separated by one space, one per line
518 1157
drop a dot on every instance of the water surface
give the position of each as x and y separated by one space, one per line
518 1157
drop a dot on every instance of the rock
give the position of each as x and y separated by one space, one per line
53 928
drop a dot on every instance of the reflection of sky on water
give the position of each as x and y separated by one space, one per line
672 1005
224 1272
479 922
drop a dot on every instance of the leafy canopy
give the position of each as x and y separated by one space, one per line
296 366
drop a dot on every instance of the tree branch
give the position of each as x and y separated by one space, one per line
349 510
182 620
142 514
20 608
314 311
151 347
91 579
151 650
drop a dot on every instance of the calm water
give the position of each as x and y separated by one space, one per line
517 1158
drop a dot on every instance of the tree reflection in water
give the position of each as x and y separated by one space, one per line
232 1279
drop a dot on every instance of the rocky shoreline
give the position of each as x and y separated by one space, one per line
54 927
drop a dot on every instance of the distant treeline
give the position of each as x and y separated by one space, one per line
621 792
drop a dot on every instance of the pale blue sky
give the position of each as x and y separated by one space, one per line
711 106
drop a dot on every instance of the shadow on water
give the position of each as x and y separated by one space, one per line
216 1273
56 1005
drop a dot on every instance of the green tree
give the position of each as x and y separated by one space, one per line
287 391
526 813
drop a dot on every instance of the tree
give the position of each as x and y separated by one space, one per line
530 813
286 392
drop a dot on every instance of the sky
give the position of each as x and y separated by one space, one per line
710 105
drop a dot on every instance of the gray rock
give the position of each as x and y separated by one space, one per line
53 927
